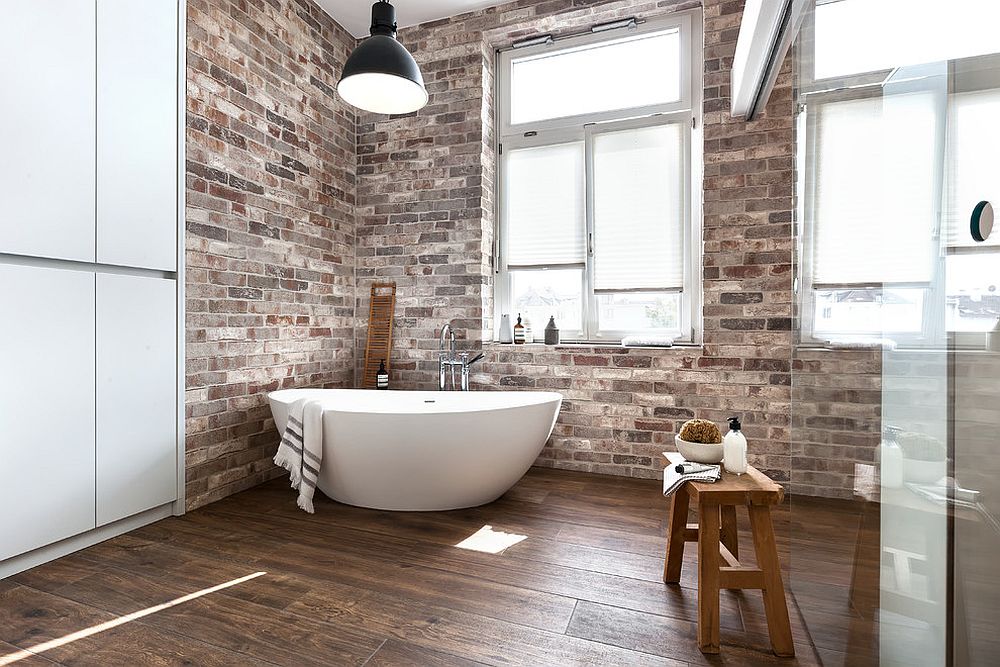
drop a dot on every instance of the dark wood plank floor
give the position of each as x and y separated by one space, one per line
348 586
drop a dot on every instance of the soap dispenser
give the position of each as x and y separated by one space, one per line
734 448
382 377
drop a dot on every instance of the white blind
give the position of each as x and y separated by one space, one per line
972 164
874 212
545 205
638 190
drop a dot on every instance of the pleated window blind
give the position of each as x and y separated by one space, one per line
971 171
639 209
544 191
874 209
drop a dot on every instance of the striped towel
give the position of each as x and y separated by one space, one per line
301 449
673 480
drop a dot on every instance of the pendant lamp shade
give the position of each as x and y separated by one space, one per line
380 75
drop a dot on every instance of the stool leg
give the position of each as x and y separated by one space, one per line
730 535
674 557
708 578
775 607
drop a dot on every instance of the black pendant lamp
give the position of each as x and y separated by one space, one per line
380 75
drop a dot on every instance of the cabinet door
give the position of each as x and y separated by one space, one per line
46 406
47 75
136 395
137 142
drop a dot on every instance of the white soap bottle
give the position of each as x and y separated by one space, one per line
734 448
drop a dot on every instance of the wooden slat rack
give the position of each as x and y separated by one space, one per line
379 345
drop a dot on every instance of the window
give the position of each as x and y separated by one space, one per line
595 183
859 36
895 160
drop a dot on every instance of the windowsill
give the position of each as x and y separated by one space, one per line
605 344
820 346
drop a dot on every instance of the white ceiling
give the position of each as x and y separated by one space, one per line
356 15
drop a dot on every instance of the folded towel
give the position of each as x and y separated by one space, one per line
301 449
647 341
861 343
673 480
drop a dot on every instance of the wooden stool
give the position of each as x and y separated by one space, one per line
717 541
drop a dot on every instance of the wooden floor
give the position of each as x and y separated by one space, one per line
348 586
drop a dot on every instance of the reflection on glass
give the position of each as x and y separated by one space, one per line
540 294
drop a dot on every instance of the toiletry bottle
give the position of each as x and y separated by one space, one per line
506 333
551 332
382 378
519 331
734 448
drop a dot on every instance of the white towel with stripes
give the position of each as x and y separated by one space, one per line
301 448
673 480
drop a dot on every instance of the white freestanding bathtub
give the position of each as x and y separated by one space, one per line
425 450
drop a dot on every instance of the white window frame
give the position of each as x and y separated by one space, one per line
583 128
817 92
806 131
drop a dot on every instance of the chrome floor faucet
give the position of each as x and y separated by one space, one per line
449 359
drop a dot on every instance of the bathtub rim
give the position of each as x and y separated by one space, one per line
378 406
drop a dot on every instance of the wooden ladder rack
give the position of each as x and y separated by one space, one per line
379 345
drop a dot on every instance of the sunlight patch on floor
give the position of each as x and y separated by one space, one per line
490 541
11 658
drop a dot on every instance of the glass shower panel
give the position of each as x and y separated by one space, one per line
973 305
913 542
895 474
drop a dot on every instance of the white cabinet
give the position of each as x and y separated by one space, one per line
47 173
137 134
89 243
47 430
136 395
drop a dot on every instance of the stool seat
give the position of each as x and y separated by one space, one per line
718 549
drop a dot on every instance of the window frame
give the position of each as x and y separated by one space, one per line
584 128
930 322
861 85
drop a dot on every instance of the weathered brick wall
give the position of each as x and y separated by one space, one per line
424 216
836 418
270 228
977 415
275 237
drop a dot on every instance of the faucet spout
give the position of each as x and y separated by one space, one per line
449 360
442 341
